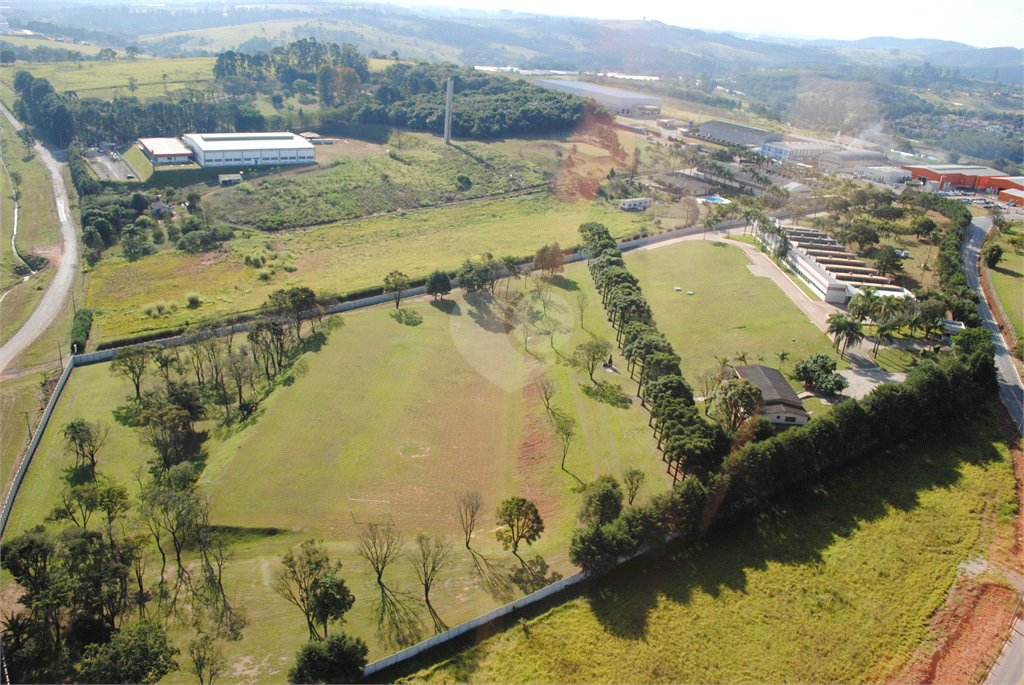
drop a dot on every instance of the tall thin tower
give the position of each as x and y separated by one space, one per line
448 112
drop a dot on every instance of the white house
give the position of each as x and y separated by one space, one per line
635 204
797 189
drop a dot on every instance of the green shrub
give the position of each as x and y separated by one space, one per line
81 326
193 300
264 274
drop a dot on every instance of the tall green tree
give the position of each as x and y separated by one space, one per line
309 580
520 522
394 283
588 355
138 654
734 401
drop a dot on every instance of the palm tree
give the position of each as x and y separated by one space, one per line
846 331
783 356
741 357
866 303
885 332
914 322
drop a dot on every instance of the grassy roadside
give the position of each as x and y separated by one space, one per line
835 585
1008 281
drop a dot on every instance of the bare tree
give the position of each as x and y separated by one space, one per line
547 390
469 504
708 381
427 559
131 362
582 302
380 546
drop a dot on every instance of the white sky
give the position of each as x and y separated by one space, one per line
982 23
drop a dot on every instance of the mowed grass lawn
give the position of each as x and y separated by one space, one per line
731 311
385 411
836 585
338 258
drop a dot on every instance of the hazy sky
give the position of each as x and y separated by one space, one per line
983 23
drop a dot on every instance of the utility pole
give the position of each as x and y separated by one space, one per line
60 356
448 112
28 425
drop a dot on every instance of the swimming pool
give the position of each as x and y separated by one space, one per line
715 199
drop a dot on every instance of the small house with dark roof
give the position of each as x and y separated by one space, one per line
161 210
781 405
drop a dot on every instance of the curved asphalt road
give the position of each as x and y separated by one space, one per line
57 292
1009 669
1011 389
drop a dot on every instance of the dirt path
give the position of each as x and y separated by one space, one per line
56 295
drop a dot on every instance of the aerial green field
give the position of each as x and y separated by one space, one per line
731 311
286 30
17 396
386 411
1008 280
336 258
422 174
110 79
25 41
835 586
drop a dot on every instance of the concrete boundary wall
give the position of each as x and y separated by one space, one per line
30 452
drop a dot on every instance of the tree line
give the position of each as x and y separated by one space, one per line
740 463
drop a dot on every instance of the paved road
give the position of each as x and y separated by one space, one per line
57 292
1009 669
1011 389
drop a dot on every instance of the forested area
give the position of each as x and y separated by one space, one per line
739 464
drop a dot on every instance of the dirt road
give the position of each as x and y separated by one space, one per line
57 292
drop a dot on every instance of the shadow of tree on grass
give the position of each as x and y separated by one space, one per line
609 393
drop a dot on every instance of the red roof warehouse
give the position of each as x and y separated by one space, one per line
955 175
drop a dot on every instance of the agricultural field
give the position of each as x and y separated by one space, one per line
421 174
337 258
107 80
26 42
407 410
835 585
731 311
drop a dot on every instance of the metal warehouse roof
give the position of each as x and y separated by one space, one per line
163 147
216 142
579 87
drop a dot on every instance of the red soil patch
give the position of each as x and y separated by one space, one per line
51 252
967 630
536 447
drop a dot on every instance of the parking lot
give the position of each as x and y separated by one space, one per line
109 166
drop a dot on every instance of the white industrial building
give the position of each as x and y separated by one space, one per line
884 174
617 101
847 160
635 203
737 133
165 150
253 149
